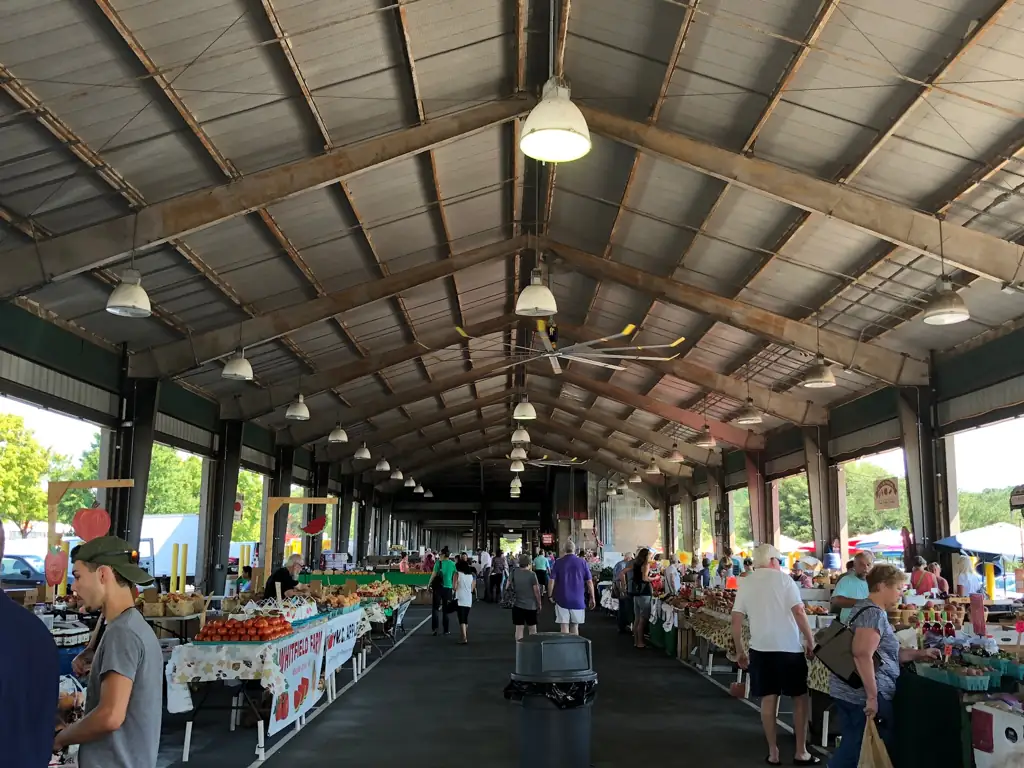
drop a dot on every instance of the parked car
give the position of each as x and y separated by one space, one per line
22 571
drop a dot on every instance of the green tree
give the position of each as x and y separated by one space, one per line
174 483
742 527
23 465
795 508
250 486
88 468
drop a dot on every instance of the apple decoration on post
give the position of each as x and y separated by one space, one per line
55 564
91 523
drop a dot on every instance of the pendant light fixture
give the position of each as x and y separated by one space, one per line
652 468
410 483
748 414
397 475
819 375
362 452
428 494
524 410
676 457
516 482
612 491
129 298
555 131
237 368
298 410
622 486
418 488
518 466
635 478
705 439
383 465
514 493
518 453
536 299
338 434
520 435
946 307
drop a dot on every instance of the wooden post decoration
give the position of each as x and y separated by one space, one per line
55 492
274 503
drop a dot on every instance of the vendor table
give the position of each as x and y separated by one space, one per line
338 579
289 669
181 621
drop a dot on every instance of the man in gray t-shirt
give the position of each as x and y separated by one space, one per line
123 705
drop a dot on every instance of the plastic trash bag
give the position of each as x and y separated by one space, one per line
562 695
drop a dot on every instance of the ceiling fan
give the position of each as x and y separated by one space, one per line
544 461
587 352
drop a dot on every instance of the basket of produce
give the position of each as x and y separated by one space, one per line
153 610
930 672
177 604
262 629
969 678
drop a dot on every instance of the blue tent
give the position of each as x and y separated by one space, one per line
989 543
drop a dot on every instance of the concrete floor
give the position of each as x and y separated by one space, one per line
431 699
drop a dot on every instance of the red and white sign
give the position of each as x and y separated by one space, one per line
547 539
300 658
340 641
238 508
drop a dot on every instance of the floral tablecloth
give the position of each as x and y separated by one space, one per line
208 663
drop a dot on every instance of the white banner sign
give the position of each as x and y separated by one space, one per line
887 493
340 640
300 659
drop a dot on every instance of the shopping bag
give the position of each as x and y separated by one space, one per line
873 753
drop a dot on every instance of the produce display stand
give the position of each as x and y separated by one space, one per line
181 621
339 579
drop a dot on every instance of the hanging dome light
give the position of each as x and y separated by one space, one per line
622 486
612 491
516 482
524 410
362 452
652 468
517 466
382 465
428 494
635 478
518 453
536 299
819 375
748 414
514 493
520 436
706 439
338 435
410 483
418 488
298 410
237 368
676 457
397 475
946 307
555 131
129 298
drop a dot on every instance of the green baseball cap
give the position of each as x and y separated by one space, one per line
116 553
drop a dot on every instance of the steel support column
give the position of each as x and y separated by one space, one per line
816 462
222 516
945 483
917 436
688 516
321 476
759 523
839 521
718 509
362 547
132 456
384 531
774 532
343 515
281 485
666 527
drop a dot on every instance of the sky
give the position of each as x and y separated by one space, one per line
985 458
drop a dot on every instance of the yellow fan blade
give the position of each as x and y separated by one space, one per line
678 341
462 332
542 325
628 329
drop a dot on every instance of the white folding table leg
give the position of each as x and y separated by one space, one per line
188 742
234 712
747 694
260 750
824 728
739 675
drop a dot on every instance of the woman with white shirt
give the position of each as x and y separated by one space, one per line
968 582
465 579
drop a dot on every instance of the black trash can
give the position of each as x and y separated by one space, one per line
556 685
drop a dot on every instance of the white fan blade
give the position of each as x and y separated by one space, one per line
628 357
593 362
589 344
554 364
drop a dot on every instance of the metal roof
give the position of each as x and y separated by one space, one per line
110 106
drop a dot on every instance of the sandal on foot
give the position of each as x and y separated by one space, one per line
769 761
810 760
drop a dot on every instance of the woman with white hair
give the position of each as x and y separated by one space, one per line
673 575
968 582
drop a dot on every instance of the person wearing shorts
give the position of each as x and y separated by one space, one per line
572 590
540 567
777 661
527 602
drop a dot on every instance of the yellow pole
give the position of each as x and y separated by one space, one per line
990 581
62 588
183 571
174 567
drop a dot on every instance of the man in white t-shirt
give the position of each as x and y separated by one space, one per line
777 660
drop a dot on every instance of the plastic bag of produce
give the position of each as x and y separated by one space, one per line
872 749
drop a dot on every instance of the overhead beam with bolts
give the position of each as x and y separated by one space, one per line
741 438
972 250
871 359
309 432
31 266
578 449
595 415
343 451
780 404
619 448
258 402
180 356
